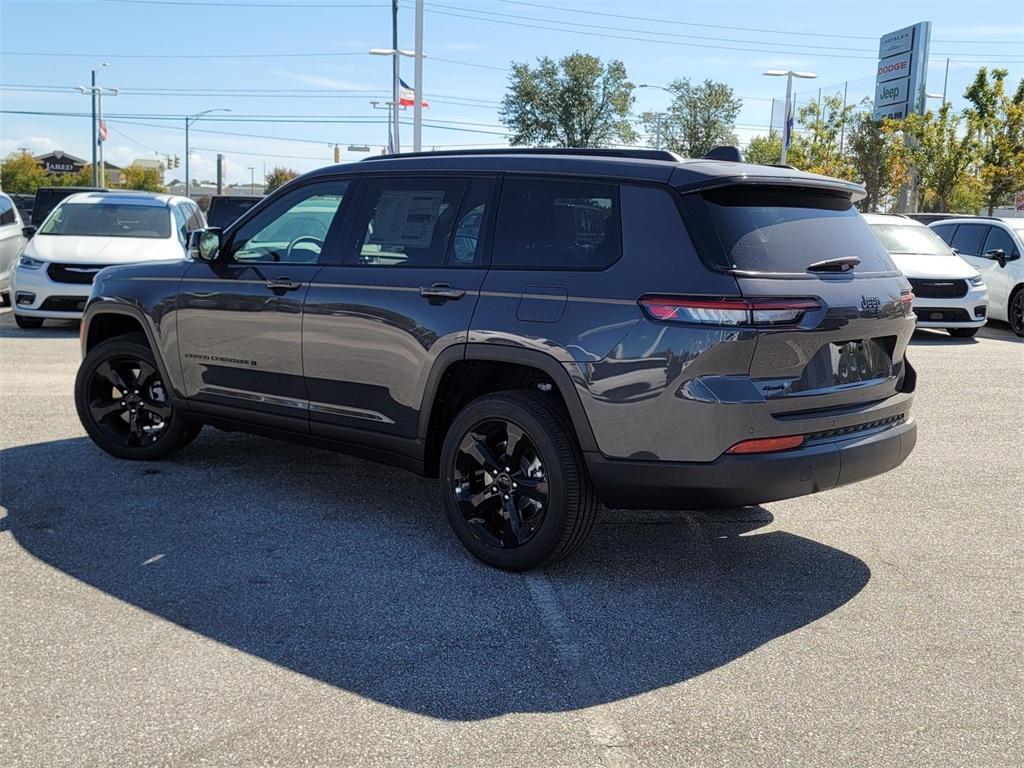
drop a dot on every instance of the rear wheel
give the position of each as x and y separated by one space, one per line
1017 311
515 488
28 322
962 333
124 405
5 299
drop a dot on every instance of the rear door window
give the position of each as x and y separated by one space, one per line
969 237
999 240
945 231
563 225
781 230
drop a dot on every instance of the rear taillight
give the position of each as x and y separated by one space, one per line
907 301
727 311
768 444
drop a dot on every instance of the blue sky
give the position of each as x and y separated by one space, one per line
307 60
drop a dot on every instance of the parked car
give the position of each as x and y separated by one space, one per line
928 218
948 292
24 205
993 246
12 240
540 329
87 232
225 209
47 198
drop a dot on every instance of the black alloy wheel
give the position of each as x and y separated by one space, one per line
1017 312
128 401
514 483
124 404
500 485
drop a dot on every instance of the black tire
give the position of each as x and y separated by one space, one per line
138 422
961 333
5 299
551 497
28 322
1016 313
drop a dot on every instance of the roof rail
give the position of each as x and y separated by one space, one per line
725 152
636 154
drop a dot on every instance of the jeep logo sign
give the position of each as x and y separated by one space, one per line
892 92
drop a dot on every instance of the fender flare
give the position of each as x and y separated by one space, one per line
503 353
108 307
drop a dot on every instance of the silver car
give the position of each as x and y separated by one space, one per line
12 240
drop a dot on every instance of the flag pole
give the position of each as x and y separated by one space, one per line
417 110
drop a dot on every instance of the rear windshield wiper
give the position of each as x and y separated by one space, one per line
838 264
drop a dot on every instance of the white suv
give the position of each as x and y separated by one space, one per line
87 232
948 292
994 246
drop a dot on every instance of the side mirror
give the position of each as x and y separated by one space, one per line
204 244
956 251
997 254
28 230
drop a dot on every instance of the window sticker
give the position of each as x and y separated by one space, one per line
406 217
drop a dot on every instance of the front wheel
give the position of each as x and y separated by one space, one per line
515 488
123 403
1017 312
961 333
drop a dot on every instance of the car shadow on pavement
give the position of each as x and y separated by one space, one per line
347 572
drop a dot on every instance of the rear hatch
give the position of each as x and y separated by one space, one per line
838 344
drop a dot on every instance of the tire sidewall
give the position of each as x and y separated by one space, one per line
546 539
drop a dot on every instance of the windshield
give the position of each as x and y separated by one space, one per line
109 220
908 238
785 230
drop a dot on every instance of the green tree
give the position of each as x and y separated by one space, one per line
764 150
21 174
279 176
821 148
942 151
878 161
81 178
700 118
575 102
136 176
998 120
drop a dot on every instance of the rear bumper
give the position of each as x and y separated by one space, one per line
735 480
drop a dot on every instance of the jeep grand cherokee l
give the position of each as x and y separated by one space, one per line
540 329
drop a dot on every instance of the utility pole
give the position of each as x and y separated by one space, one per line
842 125
396 79
417 109
945 83
252 180
95 92
220 174
189 119
95 168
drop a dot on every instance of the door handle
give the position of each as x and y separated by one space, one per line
283 284
442 291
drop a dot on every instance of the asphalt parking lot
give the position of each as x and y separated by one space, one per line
250 602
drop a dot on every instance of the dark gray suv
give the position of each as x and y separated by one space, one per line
543 330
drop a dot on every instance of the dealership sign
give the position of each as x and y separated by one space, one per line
901 72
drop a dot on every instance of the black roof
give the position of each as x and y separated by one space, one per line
629 164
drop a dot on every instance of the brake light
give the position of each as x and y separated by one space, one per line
907 301
768 444
727 311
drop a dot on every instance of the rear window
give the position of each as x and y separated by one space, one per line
774 229
109 220
908 238
563 225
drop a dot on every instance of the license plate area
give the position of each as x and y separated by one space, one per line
842 363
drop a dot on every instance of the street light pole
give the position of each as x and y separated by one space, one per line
658 115
787 126
189 119
417 109
395 53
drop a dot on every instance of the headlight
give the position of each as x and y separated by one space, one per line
27 262
976 280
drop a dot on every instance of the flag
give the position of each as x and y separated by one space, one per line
407 96
103 131
787 126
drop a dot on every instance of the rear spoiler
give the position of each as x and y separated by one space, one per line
686 181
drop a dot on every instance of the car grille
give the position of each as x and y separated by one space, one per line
64 304
939 289
890 421
80 274
942 315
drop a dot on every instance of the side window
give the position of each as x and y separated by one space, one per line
945 231
545 224
180 223
291 230
968 238
195 218
999 239
469 247
407 221
6 212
